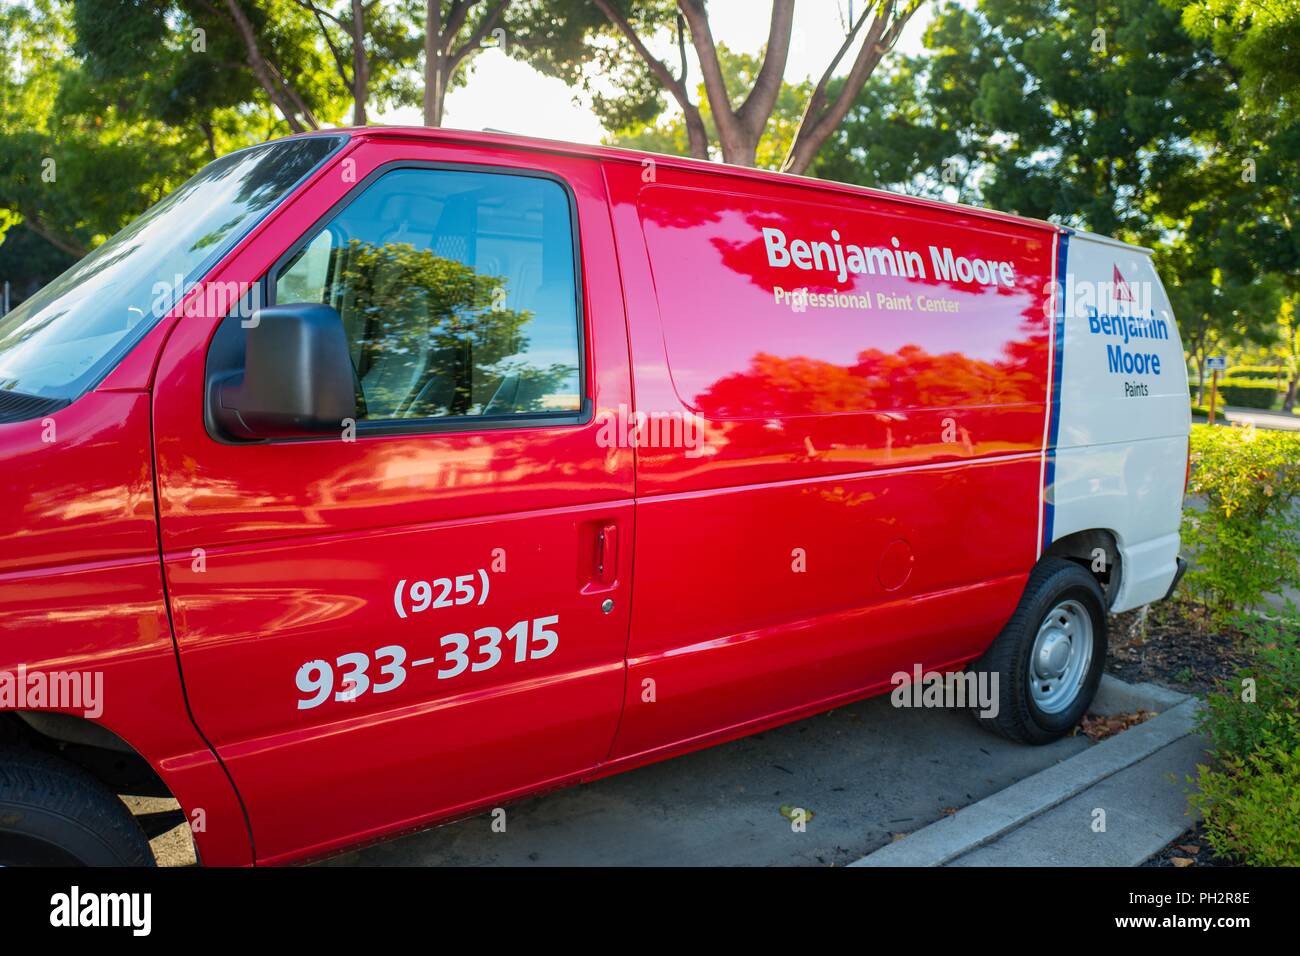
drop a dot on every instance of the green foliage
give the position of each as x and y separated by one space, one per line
1260 38
1248 393
1079 111
1250 798
1240 211
668 135
1251 805
27 262
1245 536
1270 373
895 134
1262 701
1115 118
574 41
138 94
59 146
184 61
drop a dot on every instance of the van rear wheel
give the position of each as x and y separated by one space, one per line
53 813
1048 660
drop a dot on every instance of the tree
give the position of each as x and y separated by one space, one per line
1262 233
454 31
616 36
1261 39
1214 310
135 93
668 134
1108 117
884 21
897 134
371 44
1288 348
740 125
182 60
1077 112
60 143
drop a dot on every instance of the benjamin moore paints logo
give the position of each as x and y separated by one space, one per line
1122 292
1127 327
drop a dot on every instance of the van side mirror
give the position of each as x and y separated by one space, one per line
296 377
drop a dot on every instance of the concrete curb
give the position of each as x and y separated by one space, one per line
992 817
1115 696
1144 807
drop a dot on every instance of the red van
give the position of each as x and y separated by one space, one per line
377 477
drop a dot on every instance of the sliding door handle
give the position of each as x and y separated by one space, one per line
607 554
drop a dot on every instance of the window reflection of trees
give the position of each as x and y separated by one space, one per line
430 337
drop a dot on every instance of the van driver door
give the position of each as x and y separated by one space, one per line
427 610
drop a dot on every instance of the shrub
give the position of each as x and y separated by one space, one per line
1204 411
1264 696
1272 373
1250 798
1247 392
1251 805
1252 811
1245 536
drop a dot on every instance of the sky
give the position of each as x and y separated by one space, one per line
505 94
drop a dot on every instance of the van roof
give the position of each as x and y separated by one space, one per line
620 154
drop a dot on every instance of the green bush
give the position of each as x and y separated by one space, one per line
1204 411
1245 536
1263 699
1271 373
1250 798
1247 392
1251 805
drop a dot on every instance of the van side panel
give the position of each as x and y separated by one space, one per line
863 492
82 607
1118 458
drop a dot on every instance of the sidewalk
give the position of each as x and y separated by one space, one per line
1280 421
1115 804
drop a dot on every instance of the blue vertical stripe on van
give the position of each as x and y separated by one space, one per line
1058 362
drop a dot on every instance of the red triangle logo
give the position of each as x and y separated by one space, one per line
1122 291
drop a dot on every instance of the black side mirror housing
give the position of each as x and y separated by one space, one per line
295 379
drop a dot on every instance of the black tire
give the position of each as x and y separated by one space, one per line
1019 716
53 813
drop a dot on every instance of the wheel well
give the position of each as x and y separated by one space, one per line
94 748
1096 550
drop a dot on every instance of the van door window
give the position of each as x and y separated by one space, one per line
457 291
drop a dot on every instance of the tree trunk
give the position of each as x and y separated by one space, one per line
1288 403
696 136
435 94
740 130
209 136
360 64
63 243
821 117
263 72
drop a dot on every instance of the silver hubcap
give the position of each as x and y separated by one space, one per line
1060 658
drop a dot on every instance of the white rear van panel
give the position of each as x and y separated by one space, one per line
1117 444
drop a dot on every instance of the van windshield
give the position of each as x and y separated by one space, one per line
65 338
